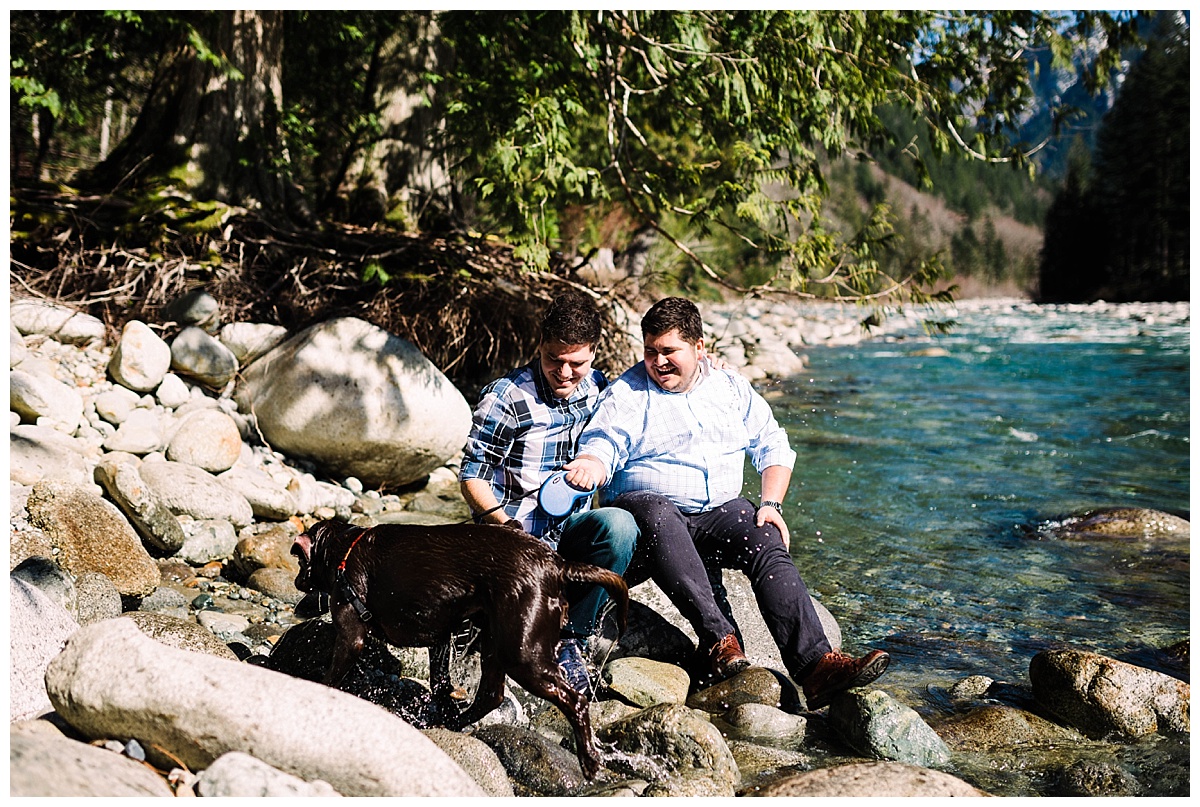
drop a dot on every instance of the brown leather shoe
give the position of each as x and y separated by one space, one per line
727 659
836 672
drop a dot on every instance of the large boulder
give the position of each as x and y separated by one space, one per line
188 490
870 779
358 401
43 763
37 630
36 395
1101 696
112 681
41 452
33 316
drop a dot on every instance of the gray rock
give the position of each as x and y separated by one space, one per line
180 633
37 453
971 687
173 392
140 433
1099 695
240 775
264 546
165 600
206 540
41 764
112 681
208 439
17 352
994 727
224 626
644 682
140 359
268 499
536 766
51 579
752 685
357 401
116 404
249 340
92 535
202 357
38 629
277 583
97 598
869 779
34 396
761 762
188 490
673 737
195 307
62 324
476 758
876 725
1125 522
146 511
758 721
1086 778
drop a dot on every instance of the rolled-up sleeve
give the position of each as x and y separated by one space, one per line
768 441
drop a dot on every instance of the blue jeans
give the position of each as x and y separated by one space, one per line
605 537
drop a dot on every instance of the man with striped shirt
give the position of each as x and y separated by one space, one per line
668 442
524 428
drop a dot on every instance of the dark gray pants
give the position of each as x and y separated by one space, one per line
684 554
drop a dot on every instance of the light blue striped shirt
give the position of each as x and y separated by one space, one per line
690 446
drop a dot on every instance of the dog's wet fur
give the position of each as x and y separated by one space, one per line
419 583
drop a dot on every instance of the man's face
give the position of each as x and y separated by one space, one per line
672 362
564 366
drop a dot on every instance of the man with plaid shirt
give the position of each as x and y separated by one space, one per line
525 428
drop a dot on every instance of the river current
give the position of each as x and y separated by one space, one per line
932 470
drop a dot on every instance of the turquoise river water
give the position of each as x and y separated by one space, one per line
932 471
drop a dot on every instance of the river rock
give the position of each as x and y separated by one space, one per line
358 401
644 682
17 352
752 685
279 584
188 490
140 433
206 540
242 776
146 511
140 359
196 354
994 727
42 764
38 629
1125 522
249 340
96 597
869 779
173 392
676 737
1089 778
268 499
34 396
264 546
62 324
208 439
166 601
37 453
536 766
92 535
758 762
765 724
115 405
195 307
113 681
49 578
179 633
1100 696
476 758
876 725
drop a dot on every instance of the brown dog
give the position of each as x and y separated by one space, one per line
413 585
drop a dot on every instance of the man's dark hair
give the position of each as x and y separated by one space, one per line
674 313
572 319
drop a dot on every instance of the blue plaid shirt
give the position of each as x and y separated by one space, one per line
689 446
520 434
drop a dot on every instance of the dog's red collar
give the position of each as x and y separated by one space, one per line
342 566
347 590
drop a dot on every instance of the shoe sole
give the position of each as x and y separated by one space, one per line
865 676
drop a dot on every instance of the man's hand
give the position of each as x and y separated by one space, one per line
585 472
769 515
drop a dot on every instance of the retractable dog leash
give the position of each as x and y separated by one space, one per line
556 496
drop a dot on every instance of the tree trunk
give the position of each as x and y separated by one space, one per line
212 130
403 176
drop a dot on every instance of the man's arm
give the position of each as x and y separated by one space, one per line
480 498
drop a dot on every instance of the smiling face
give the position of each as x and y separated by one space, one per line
565 366
672 362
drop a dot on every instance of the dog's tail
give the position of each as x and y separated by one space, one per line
612 582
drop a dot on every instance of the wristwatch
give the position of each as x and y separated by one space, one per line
778 507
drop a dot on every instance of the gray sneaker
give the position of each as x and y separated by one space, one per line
574 667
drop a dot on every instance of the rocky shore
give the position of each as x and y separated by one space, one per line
159 646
